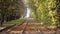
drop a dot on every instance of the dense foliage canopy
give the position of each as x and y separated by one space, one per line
11 10
46 11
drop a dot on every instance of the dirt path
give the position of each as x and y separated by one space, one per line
31 27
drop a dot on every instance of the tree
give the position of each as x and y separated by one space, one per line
46 11
11 10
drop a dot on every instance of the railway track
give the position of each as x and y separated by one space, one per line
31 27
18 29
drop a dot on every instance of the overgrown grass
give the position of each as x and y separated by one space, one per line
18 21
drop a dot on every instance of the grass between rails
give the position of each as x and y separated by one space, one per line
18 21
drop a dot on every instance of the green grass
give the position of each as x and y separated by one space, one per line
18 21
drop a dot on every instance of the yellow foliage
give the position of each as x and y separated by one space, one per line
50 13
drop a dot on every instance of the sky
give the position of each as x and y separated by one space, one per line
28 12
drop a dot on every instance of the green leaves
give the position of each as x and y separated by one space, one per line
46 11
9 9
